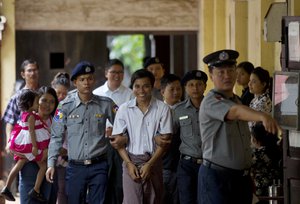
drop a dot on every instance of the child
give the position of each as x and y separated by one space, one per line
29 142
141 119
266 159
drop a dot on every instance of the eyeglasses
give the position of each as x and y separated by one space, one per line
116 72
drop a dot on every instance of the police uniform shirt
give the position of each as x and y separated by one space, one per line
226 143
85 125
119 96
186 120
142 127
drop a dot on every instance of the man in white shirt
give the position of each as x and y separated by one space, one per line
113 88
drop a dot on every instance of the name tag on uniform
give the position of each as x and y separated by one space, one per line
74 116
97 115
183 117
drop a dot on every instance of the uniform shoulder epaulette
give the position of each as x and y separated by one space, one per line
69 98
179 104
103 98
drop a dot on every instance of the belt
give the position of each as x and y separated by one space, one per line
88 161
209 164
190 158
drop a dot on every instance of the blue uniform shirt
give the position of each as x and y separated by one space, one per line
85 125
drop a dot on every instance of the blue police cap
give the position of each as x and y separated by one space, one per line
152 60
194 74
82 68
221 58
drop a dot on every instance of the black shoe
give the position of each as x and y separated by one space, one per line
7 194
37 196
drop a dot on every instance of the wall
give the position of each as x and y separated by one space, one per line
76 46
126 15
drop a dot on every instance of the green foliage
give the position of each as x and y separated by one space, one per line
130 49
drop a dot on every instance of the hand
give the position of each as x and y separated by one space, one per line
34 151
108 131
133 171
145 171
50 174
162 141
63 152
271 124
118 141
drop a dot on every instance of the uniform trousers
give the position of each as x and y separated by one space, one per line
81 179
170 195
27 177
187 178
222 187
146 192
114 192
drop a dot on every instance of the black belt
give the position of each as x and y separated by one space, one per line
88 161
190 158
209 164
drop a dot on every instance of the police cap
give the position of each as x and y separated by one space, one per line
194 74
82 68
221 58
152 60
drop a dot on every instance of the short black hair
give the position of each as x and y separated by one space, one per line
167 79
142 73
27 62
26 99
61 78
247 66
112 62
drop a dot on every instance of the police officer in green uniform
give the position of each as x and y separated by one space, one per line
224 174
84 116
186 123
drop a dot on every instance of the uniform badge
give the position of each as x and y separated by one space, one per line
58 115
115 108
88 69
183 117
223 56
98 115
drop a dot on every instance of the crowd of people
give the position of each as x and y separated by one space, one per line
161 140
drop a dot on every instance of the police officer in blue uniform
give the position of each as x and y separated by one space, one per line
84 116
186 123
224 174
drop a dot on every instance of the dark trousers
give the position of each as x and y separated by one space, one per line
61 185
27 180
187 180
170 195
81 179
114 192
220 187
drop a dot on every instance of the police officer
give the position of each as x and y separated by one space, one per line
84 115
224 174
155 66
186 122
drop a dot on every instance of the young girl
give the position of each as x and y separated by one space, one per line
243 71
266 159
29 142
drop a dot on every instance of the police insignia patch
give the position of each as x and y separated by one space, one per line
223 56
88 69
58 115
115 108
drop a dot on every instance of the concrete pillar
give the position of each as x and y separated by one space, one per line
8 53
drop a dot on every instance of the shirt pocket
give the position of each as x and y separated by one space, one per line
98 125
186 128
74 126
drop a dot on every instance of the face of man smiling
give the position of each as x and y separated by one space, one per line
142 89
114 75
